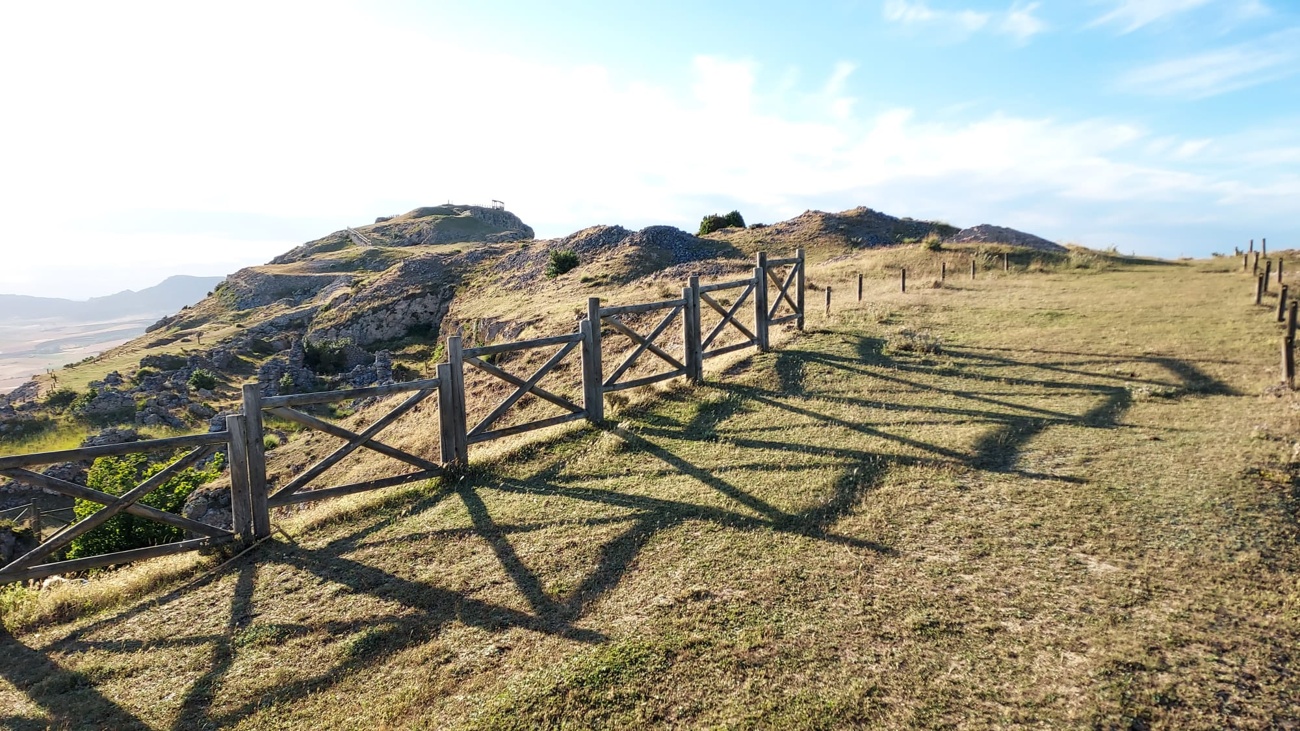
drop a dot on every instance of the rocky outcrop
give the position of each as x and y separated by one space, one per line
989 234
211 505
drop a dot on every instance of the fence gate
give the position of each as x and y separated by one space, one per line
282 406
30 566
730 316
791 303
459 438
613 317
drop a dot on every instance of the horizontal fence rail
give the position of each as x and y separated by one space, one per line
774 293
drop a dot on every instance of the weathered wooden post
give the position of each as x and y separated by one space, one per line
828 300
1255 267
859 287
1245 262
972 268
241 498
799 282
691 331
34 519
1288 362
1291 318
255 458
760 301
457 440
1259 289
1006 262
943 271
1268 272
904 281
1279 270
1252 246
1263 246
593 397
1281 304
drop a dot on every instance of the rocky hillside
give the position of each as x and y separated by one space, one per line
859 227
989 234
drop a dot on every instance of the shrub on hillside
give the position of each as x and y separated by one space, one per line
561 261
203 378
60 398
117 475
326 356
714 222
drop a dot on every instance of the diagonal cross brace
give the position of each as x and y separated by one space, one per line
337 455
644 344
526 387
114 506
72 489
536 390
784 293
337 431
728 316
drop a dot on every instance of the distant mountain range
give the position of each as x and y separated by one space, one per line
162 299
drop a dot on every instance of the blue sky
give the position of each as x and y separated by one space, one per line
142 139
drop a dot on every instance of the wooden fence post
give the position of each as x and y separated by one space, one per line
904 279
255 458
1252 246
1255 267
943 271
593 372
691 338
34 519
1281 304
1268 272
800 282
972 268
1288 362
1259 289
1263 246
828 300
456 402
1006 262
1291 319
241 498
1279 270
1245 262
859 287
760 300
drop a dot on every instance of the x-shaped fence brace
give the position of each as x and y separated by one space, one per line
783 290
128 502
728 316
353 441
523 387
642 345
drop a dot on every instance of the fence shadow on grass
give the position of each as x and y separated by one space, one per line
70 698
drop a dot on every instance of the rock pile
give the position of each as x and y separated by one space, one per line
989 234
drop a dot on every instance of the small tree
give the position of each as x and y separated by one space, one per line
203 378
561 261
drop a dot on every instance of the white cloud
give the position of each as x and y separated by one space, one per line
1131 15
1018 21
1222 70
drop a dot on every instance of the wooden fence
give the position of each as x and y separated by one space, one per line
252 496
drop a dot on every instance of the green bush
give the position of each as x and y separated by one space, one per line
117 475
714 222
203 378
326 356
561 261
60 398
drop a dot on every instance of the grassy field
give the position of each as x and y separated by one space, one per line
1044 499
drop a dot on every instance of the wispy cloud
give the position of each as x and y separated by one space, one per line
1017 21
1220 71
1131 15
